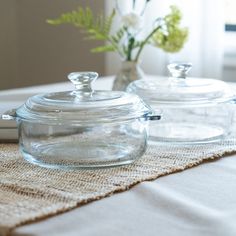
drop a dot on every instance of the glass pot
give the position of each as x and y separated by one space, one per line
193 110
82 128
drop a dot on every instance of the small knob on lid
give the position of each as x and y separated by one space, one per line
179 70
83 80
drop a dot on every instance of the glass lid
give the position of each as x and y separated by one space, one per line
179 89
83 105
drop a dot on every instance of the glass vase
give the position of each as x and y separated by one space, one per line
129 72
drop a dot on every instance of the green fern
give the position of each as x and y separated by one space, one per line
105 48
118 35
95 28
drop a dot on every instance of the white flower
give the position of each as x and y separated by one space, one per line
132 21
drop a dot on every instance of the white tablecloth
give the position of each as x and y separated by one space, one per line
197 201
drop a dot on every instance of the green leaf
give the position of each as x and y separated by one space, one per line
96 27
118 35
172 37
105 48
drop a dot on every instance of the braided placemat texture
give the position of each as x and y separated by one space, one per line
29 193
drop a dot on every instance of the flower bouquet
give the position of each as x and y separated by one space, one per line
128 40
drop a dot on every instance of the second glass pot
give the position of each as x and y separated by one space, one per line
194 110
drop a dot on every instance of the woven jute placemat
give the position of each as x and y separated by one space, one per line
29 193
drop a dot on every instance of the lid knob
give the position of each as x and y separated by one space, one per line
179 70
83 80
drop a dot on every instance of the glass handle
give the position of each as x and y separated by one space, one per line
83 80
179 70
154 115
9 115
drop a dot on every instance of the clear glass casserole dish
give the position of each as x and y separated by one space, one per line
193 110
82 128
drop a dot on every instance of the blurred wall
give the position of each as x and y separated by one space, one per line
33 52
8 43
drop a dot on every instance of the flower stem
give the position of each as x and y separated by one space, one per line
145 41
130 48
145 6
134 4
118 8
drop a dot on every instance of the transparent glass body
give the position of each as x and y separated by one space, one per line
199 124
193 110
73 146
83 128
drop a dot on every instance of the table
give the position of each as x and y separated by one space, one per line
197 201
